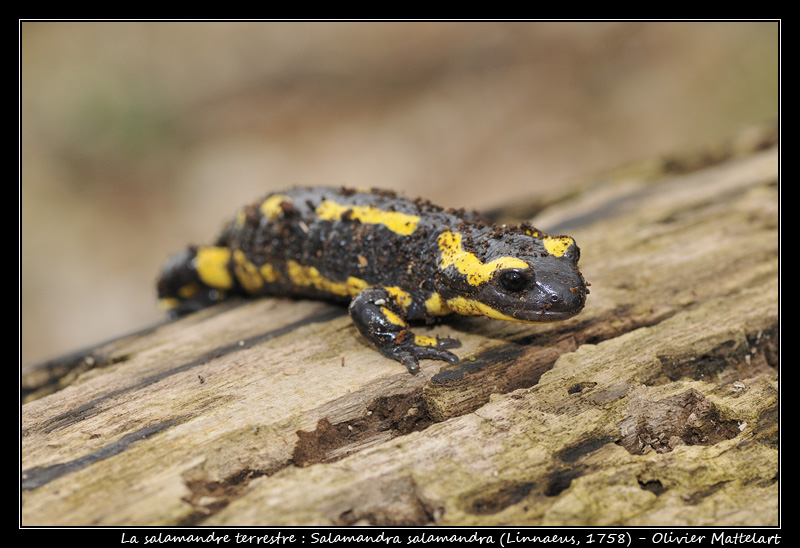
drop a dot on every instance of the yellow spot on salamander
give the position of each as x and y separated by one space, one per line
476 271
168 303
246 272
211 264
401 223
423 340
559 245
241 217
468 307
309 276
188 291
533 232
392 317
271 207
355 285
435 306
269 273
401 297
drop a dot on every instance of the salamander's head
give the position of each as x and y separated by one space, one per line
511 273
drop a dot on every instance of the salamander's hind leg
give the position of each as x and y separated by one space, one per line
387 330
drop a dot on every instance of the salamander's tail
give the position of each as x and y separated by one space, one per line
195 278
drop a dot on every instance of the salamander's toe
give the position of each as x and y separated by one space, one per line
411 364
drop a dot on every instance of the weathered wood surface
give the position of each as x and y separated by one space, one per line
658 405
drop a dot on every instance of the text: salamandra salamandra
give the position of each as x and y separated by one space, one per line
394 260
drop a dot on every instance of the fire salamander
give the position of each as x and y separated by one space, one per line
394 260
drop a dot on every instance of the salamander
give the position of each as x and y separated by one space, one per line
394 260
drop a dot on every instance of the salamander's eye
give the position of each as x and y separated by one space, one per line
513 280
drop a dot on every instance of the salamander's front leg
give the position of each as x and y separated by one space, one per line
371 311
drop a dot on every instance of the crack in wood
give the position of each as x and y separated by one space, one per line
687 418
36 477
386 418
92 408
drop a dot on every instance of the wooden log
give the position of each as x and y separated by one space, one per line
658 405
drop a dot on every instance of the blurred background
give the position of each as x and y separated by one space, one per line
138 138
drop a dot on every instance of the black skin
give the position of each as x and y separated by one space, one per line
546 288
